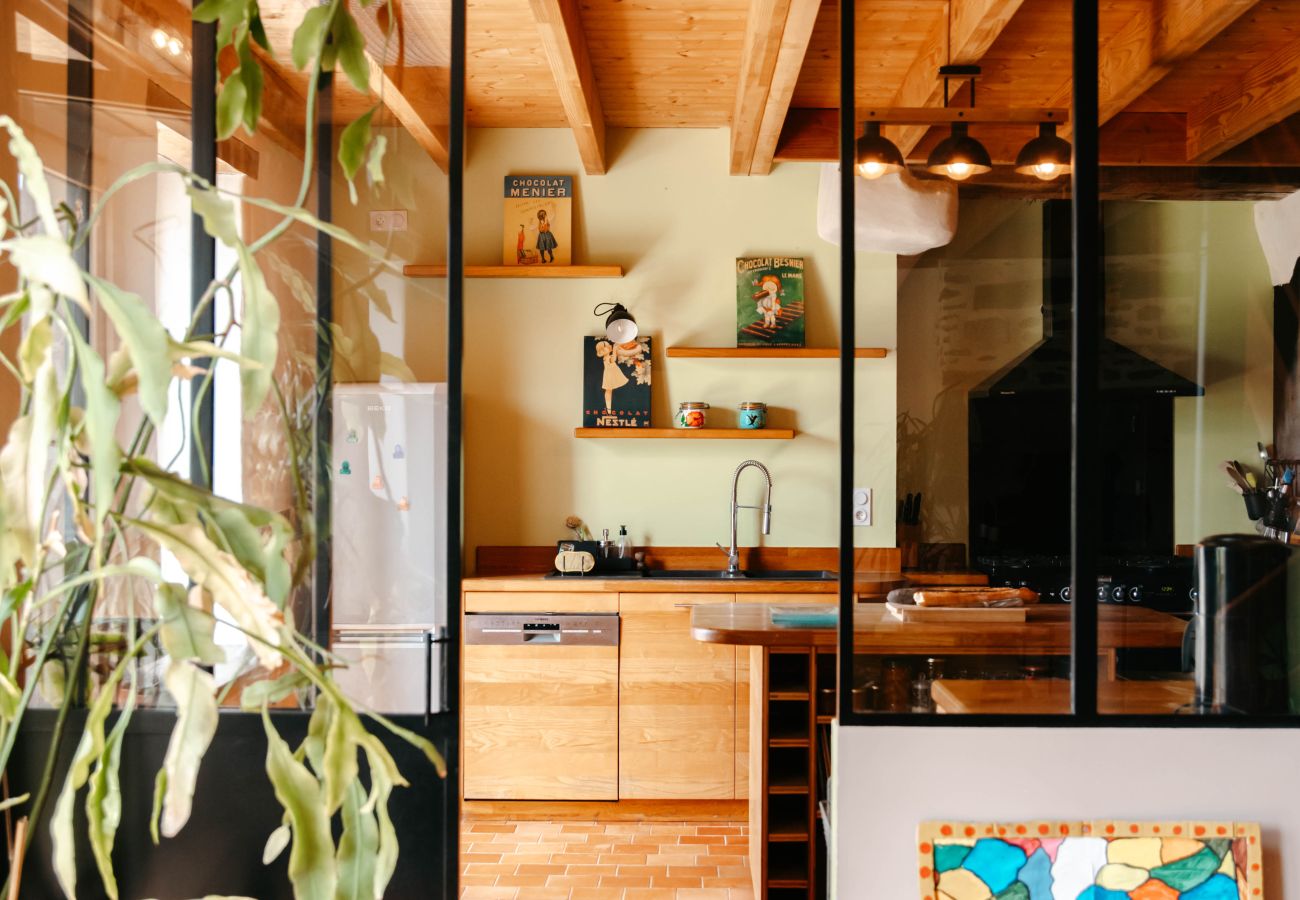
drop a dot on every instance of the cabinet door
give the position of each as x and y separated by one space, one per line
742 679
677 702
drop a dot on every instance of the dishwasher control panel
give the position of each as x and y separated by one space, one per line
567 629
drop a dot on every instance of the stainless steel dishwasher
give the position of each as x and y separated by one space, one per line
540 696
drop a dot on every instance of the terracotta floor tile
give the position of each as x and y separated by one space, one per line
577 860
623 881
489 893
596 894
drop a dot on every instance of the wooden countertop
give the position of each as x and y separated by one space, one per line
875 631
863 583
1052 695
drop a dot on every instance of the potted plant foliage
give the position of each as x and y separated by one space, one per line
73 495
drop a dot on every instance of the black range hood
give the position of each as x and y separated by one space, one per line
1045 367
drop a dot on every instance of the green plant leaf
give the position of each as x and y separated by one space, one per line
259 333
265 693
250 72
147 341
217 212
187 631
309 36
353 143
228 14
159 791
230 585
104 800
196 723
10 697
89 749
24 462
375 162
358 848
34 349
382 770
395 367
275 844
99 423
14 801
230 105
311 856
339 761
258 31
33 172
46 259
422 744
350 45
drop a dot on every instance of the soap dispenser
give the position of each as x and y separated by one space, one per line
624 547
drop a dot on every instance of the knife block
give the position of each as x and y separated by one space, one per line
909 545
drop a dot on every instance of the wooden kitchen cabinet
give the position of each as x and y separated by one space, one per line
677 703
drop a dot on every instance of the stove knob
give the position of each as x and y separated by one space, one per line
1119 593
1065 593
1103 593
1193 595
1135 594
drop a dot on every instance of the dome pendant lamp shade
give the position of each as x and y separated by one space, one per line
1046 156
876 154
620 327
959 156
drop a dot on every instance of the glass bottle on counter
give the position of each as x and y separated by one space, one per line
922 693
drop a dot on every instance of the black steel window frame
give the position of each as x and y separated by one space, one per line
1084 486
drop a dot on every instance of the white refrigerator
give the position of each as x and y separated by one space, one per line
388 605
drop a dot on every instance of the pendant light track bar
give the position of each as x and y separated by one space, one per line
984 115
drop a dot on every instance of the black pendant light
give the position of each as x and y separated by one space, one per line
876 154
1046 156
620 327
959 156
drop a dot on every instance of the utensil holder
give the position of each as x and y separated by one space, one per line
1256 504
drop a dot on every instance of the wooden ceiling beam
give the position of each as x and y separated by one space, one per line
1268 93
559 23
776 39
413 96
1150 45
976 24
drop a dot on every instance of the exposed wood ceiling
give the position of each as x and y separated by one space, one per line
1184 83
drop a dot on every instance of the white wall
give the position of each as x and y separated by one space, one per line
887 780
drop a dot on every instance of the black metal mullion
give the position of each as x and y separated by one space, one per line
323 426
203 247
1088 297
848 341
455 387
80 139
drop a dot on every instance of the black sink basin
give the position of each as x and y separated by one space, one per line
746 575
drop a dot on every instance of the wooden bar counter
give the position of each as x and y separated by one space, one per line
792 703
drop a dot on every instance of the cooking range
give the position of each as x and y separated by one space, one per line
1163 583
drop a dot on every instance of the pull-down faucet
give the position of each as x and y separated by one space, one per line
733 555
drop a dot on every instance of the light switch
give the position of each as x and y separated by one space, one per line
861 507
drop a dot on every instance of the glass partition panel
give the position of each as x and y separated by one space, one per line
1198 374
963 273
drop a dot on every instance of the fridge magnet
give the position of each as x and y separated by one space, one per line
398 452
377 484
615 383
352 435
346 468
538 226
1091 859
769 301
404 505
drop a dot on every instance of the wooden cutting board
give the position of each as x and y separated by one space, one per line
906 612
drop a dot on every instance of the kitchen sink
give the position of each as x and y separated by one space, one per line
749 574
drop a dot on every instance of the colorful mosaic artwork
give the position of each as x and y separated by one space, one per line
1090 861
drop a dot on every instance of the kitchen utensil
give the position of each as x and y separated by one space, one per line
574 562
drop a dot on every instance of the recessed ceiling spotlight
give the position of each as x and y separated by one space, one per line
159 38
174 47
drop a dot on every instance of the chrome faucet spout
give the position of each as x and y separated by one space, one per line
733 554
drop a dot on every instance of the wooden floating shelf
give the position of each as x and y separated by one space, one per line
696 434
772 353
440 271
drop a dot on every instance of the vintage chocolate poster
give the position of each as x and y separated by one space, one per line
615 383
769 302
538 220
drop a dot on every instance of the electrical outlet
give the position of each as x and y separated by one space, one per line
388 220
862 507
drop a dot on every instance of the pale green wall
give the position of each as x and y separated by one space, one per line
1188 286
671 216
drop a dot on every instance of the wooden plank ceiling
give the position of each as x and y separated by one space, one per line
1185 84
